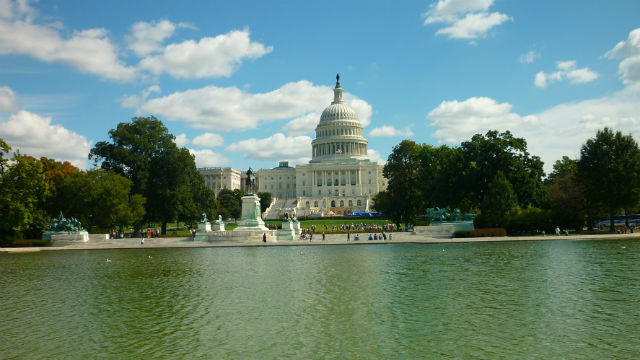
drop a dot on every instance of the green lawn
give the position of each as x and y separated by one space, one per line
330 223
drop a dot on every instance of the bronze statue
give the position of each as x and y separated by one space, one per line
250 182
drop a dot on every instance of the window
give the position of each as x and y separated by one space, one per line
303 183
315 204
288 185
341 203
333 203
306 204
350 203
359 202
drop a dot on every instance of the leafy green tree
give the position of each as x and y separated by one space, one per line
402 201
230 203
609 167
499 199
566 191
144 151
265 200
485 155
22 188
100 198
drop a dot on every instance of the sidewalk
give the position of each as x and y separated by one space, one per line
331 239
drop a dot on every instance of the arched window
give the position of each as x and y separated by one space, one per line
315 204
307 204
350 203
341 203
359 203
333 203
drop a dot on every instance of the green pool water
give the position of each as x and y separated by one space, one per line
521 300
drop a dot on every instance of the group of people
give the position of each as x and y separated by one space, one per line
356 236
115 234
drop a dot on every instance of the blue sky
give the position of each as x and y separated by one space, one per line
243 83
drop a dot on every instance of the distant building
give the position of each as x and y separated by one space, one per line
216 178
338 180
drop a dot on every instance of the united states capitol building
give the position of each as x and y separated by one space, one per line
338 180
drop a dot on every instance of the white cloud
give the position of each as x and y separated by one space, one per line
451 10
390 131
303 124
565 69
464 19
629 68
228 109
455 120
181 140
540 80
16 9
134 101
148 37
89 51
581 76
7 99
528 57
209 57
208 158
35 135
560 130
296 149
376 157
473 26
208 140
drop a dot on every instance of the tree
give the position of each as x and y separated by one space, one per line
144 151
499 199
100 198
265 200
230 203
402 201
609 167
22 188
566 191
485 155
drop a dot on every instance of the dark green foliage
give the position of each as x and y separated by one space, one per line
403 186
609 168
22 189
100 199
265 200
230 203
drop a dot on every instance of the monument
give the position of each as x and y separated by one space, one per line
204 225
444 222
250 219
219 224
62 231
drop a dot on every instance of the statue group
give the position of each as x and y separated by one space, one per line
446 214
63 224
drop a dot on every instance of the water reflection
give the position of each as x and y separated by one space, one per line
535 299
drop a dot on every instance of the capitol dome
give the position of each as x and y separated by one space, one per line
339 134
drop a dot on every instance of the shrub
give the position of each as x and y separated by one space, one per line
30 242
485 232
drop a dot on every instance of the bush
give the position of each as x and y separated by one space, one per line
30 242
486 232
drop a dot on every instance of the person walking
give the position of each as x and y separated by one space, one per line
323 236
264 237
557 230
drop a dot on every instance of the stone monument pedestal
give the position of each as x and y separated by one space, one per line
287 232
218 226
251 219
62 238
204 227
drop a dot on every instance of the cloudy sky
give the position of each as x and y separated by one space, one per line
243 83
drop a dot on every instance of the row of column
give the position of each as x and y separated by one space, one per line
323 176
344 147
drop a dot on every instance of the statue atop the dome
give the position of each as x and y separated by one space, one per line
338 80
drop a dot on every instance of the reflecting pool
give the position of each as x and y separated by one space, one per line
547 299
